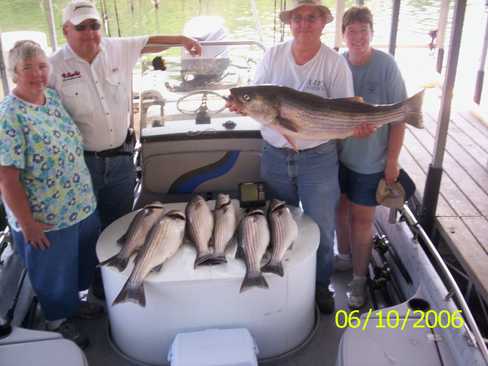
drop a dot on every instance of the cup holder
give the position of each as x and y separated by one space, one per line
418 304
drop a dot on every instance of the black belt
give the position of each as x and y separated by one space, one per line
110 153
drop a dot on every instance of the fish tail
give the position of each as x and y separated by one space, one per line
218 259
413 110
131 293
276 268
253 279
115 261
203 259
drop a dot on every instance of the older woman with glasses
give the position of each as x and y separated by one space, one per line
46 189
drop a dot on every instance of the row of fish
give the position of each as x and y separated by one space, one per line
156 235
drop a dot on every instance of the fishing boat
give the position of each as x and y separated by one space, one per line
188 144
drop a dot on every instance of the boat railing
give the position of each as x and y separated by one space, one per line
472 330
214 43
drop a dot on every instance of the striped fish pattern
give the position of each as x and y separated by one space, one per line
135 235
303 115
163 241
284 232
225 218
200 225
254 238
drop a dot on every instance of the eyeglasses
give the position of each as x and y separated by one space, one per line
309 18
93 26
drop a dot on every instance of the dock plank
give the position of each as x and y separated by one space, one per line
467 250
415 143
478 226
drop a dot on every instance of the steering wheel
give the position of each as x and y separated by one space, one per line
203 105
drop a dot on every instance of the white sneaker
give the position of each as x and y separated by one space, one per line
342 264
356 297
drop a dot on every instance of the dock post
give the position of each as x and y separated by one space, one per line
394 27
441 34
481 72
432 184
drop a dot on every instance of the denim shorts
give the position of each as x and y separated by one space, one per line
359 188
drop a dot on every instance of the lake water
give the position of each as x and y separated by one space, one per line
136 17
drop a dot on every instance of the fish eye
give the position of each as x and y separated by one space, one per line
246 97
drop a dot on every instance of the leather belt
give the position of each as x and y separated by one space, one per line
110 153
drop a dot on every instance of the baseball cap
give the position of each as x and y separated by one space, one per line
395 195
79 11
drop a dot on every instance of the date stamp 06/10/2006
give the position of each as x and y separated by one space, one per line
392 319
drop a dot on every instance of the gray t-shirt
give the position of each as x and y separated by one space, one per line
377 82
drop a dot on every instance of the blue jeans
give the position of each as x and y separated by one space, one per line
114 180
58 273
310 177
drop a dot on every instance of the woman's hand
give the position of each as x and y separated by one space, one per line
34 235
392 171
192 46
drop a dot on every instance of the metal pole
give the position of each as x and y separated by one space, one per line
433 182
394 26
3 71
340 6
441 33
255 15
52 25
481 72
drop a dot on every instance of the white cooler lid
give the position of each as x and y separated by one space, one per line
214 347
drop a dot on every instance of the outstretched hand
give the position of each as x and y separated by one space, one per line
364 130
192 46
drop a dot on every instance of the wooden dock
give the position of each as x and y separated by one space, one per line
462 211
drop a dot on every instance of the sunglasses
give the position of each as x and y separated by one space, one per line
309 18
93 26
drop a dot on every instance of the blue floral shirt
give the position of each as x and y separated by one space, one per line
44 143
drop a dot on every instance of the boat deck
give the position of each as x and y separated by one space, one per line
462 211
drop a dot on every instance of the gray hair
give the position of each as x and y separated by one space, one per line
22 50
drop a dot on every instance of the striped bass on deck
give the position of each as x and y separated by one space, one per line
225 218
302 115
253 241
200 225
163 241
284 232
134 237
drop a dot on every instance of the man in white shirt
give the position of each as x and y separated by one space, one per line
310 175
93 76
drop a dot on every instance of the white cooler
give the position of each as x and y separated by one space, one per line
214 347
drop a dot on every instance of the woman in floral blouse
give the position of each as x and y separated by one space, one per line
47 192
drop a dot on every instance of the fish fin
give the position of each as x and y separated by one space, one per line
121 241
218 259
255 279
131 294
287 124
157 268
203 259
413 110
274 268
240 252
291 142
115 261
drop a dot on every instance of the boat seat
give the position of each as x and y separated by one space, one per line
24 347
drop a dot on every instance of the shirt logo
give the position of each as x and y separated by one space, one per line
70 75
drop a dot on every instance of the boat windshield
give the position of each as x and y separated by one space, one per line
177 87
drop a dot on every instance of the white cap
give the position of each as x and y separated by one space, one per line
80 10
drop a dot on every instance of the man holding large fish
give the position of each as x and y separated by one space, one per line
301 170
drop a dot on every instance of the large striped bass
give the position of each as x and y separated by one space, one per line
134 237
303 115
284 232
200 228
225 218
163 241
253 241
